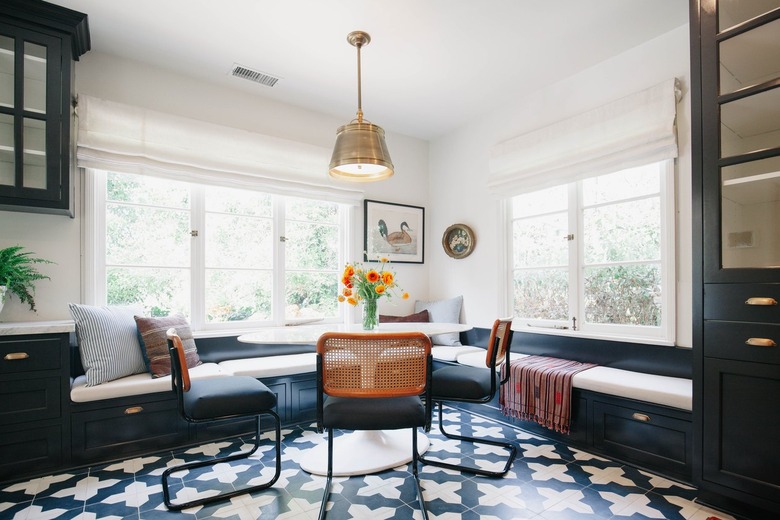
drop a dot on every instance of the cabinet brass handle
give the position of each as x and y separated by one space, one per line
761 301
134 409
641 417
760 342
15 356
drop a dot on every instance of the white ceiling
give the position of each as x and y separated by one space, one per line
432 65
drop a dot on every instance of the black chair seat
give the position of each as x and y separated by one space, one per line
227 396
461 383
377 413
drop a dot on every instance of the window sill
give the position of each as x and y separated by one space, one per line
593 335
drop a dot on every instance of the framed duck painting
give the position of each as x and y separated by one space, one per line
393 231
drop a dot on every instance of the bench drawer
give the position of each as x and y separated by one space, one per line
115 432
648 435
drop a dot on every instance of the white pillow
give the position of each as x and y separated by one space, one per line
108 341
443 311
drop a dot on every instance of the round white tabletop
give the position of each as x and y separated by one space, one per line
311 333
360 452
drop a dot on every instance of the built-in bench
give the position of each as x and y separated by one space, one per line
635 406
138 414
676 392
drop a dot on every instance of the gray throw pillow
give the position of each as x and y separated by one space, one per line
443 311
108 341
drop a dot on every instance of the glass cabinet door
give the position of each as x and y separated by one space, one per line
747 94
7 147
30 109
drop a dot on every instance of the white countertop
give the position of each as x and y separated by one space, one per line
35 327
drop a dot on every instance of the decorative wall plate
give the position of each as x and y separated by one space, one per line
458 241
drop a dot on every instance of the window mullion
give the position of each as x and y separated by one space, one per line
668 247
94 231
198 256
576 248
279 268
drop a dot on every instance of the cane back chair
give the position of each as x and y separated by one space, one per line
373 381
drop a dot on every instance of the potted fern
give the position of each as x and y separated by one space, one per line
17 274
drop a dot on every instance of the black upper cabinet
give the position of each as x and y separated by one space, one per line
38 44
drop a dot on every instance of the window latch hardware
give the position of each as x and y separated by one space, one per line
194 233
569 237
282 239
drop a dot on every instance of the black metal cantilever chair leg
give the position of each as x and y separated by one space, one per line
217 399
474 385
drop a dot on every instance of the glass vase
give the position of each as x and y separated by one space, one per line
370 317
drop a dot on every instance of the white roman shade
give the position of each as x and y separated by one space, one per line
631 131
117 137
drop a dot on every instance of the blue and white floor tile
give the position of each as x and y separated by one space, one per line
548 481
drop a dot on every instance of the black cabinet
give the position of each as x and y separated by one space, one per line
38 43
33 425
735 86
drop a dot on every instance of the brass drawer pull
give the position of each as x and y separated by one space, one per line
761 301
134 409
15 356
641 417
760 342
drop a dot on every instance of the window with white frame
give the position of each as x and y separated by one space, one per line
597 255
221 256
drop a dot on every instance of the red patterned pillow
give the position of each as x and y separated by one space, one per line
421 316
152 333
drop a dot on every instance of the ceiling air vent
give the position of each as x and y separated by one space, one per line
240 71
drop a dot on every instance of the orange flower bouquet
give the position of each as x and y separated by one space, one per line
366 286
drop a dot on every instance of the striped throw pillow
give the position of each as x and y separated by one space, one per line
108 341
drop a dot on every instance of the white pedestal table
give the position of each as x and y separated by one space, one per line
359 452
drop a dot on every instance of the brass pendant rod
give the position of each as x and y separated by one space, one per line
359 89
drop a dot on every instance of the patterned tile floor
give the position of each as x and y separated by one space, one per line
548 481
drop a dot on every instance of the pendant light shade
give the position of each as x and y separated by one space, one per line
360 153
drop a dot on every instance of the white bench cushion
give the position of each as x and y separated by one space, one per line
443 353
272 366
676 392
136 384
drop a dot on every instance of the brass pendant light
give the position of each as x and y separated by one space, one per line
360 153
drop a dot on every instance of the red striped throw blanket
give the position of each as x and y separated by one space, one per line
539 390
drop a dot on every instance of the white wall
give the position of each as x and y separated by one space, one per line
59 238
459 170
450 183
